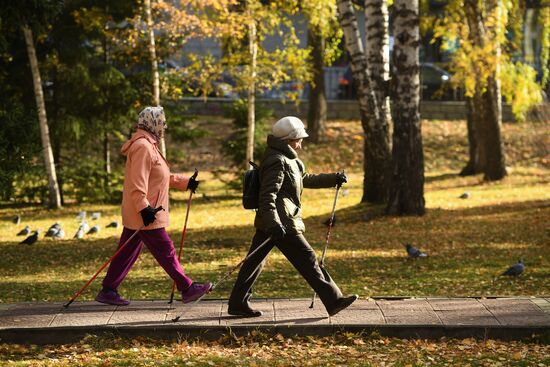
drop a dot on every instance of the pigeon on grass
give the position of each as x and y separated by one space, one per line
31 239
113 224
80 233
515 270
413 252
52 230
59 234
93 230
465 195
25 231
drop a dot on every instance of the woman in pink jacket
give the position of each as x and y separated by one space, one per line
147 178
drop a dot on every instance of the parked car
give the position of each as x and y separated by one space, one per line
434 84
284 91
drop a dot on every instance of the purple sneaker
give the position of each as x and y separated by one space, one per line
111 298
195 291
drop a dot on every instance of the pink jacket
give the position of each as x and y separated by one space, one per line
147 179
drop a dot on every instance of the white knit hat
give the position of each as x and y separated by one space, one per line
289 128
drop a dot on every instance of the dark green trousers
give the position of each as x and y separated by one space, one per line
298 251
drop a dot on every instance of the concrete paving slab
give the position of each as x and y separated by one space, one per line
84 314
543 304
361 312
408 312
297 312
139 313
455 304
504 318
264 305
397 305
512 311
206 313
459 318
416 318
29 315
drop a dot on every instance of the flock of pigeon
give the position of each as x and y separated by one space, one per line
56 232
513 270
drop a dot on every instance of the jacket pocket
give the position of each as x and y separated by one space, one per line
291 209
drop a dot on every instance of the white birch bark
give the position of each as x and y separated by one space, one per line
407 181
154 63
377 153
378 54
253 50
54 195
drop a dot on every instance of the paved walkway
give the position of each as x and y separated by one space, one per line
504 318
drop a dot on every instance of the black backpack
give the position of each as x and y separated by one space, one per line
251 187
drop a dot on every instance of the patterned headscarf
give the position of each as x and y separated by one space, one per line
152 119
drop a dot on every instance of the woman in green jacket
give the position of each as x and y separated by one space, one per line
282 178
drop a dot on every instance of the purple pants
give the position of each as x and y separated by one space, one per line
161 247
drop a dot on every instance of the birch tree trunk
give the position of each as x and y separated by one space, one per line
317 108
407 181
378 55
377 154
253 50
107 161
54 195
106 141
154 63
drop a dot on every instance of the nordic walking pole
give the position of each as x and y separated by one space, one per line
330 223
183 233
175 319
107 263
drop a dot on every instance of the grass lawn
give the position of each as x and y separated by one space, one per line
469 242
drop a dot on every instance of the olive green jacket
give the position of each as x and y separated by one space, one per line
282 179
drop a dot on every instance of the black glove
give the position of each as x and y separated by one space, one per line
341 179
277 232
148 215
193 184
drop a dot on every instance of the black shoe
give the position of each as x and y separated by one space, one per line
341 304
244 311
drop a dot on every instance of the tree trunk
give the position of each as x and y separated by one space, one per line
472 167
154 64
55 139
495 166
377 156
407 181
317 109
487 103
253 49
378 55
107 161
106 141
54 196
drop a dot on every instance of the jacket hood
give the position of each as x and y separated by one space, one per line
139 134
282 146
